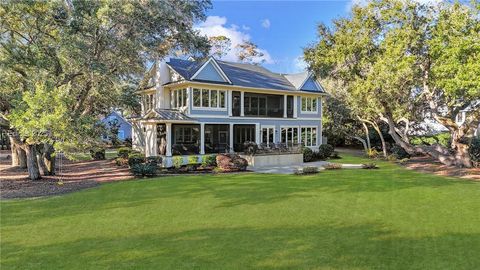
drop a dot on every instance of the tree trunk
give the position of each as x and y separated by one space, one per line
364 143
377 128
49 159
382 139
32 164
435 151
19 158
460 146
41 162
367 135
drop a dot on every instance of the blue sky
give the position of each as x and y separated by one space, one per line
280 28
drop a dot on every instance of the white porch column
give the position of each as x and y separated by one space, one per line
229 103
230 136
202 138
284 106
169 139
257 133
189 99
242 109
295 107
151 139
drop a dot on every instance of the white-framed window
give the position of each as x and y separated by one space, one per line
309 104
289 135
149 101
268 135
308 136
179 98
208 98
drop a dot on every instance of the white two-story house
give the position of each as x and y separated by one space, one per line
212 106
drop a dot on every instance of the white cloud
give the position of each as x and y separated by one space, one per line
245 27
217 26
266 23
299 64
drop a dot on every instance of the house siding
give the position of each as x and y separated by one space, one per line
209 73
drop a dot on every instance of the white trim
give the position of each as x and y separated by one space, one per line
284 106
229 103
308 112
248 117
242 103
217 68
170 75
317 84
316 139
250 89
218 108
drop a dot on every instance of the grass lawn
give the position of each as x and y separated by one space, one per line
390 218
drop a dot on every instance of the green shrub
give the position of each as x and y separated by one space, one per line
441 138
474 150
324 151
134 159
392 158
123 152
372 153
310 170
209 160
399 152
144 169
97 153
308 154
177 162
192 160
368 166
154 160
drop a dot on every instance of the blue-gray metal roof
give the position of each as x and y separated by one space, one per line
240 74
170 115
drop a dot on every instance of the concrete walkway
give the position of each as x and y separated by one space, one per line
290 169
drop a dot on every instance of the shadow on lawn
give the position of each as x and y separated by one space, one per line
229 190
360 247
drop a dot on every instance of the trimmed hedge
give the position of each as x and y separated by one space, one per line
135 158
123 152
144 169
308 154
324 151
209 160
97 153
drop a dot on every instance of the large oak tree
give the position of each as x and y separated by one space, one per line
89 51
403 62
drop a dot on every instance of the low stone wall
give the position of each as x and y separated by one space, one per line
273 160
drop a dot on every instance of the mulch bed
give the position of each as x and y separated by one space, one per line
72 176
427 164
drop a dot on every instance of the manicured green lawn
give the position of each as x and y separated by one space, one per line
389 218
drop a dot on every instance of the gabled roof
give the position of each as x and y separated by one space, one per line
211 71
242 74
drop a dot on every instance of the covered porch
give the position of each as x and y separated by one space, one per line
174 138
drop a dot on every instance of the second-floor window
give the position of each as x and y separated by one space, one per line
309 104
149 102
179 98
208 98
